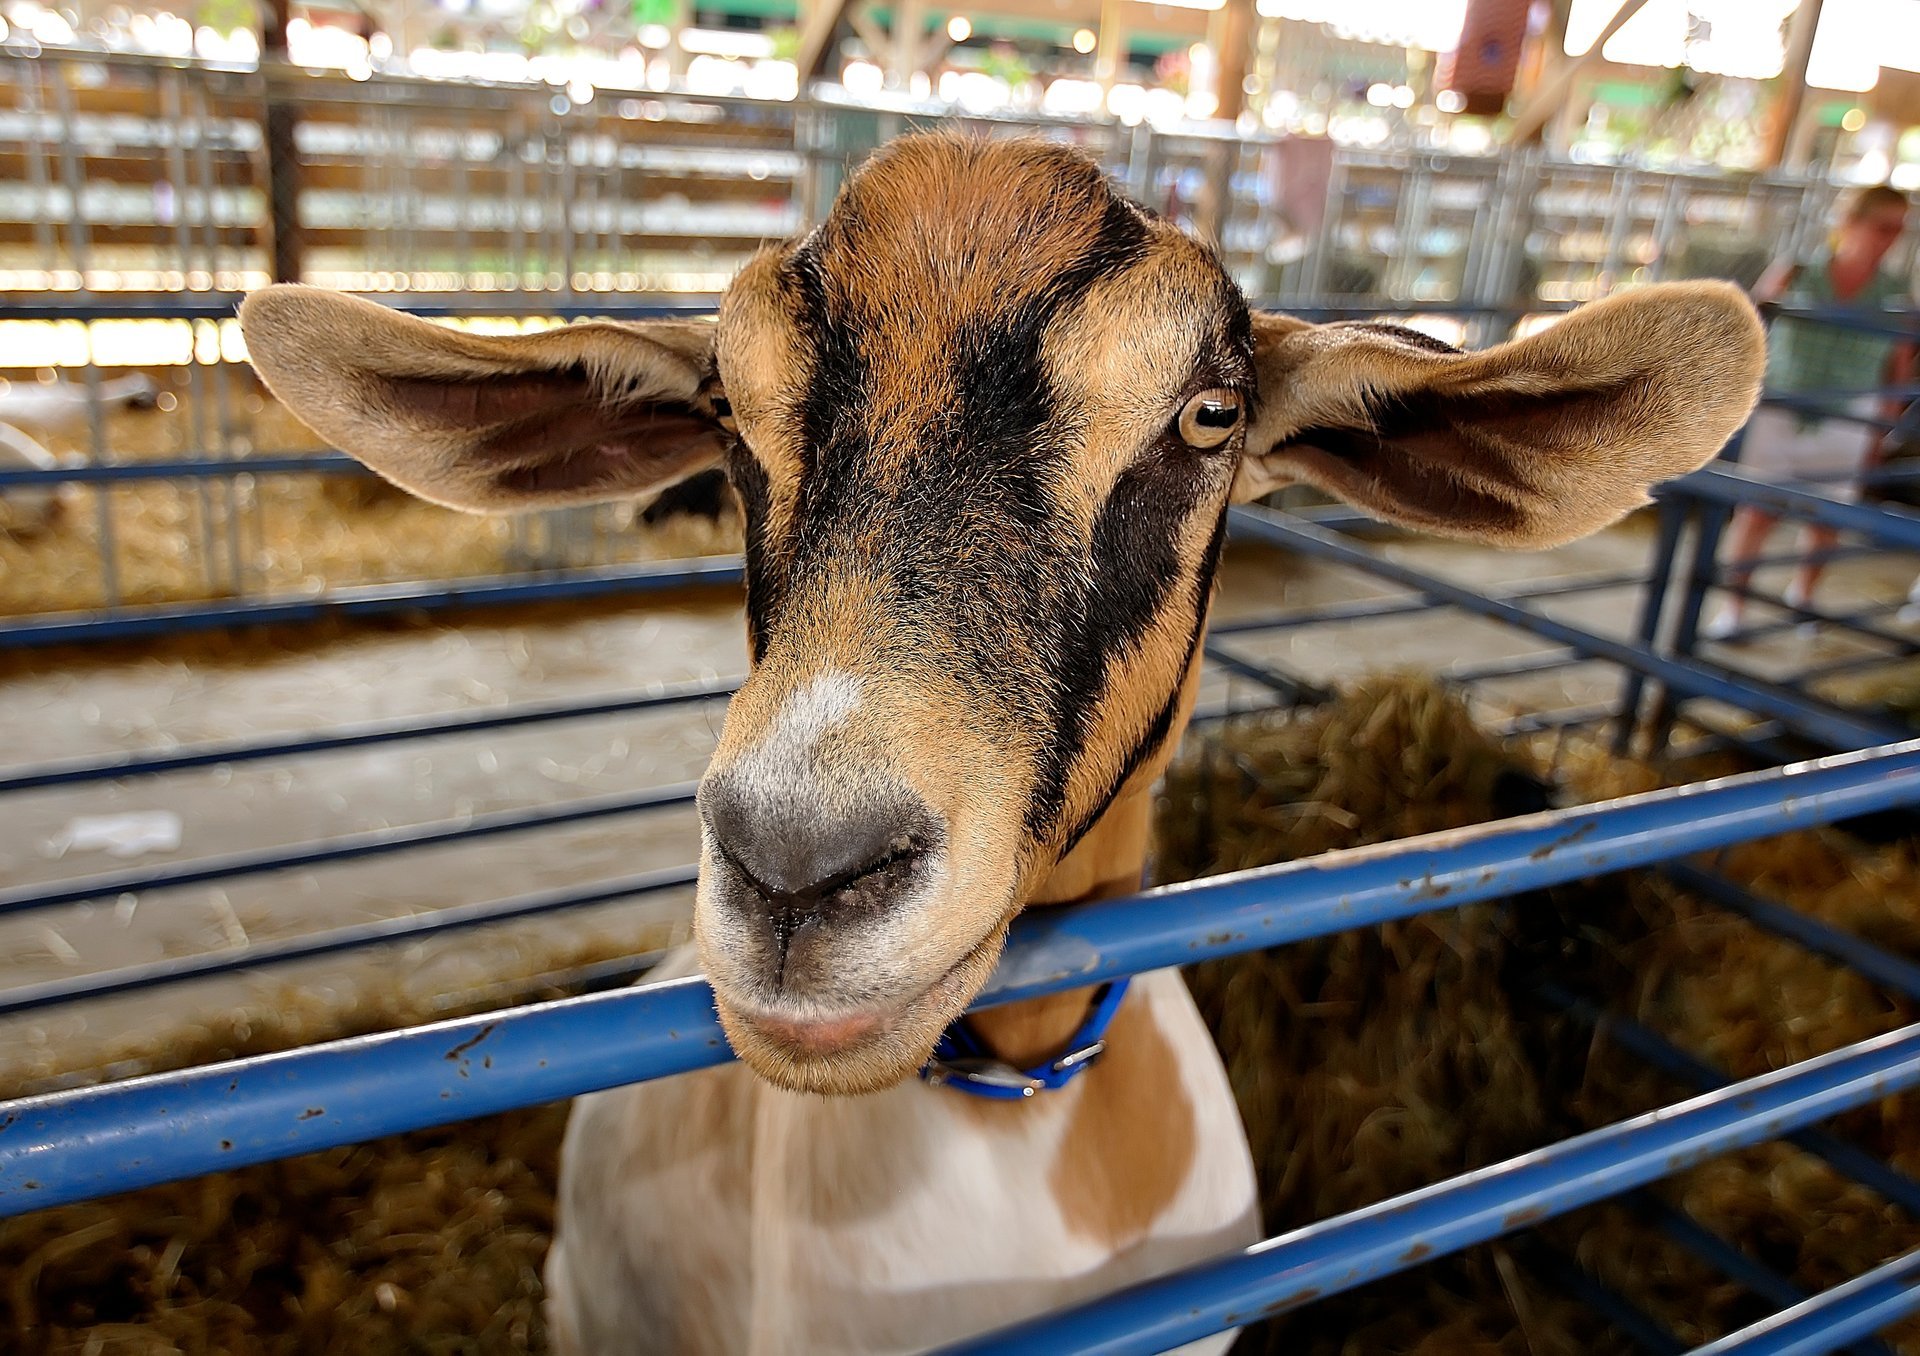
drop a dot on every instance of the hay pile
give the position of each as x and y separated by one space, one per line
1889 691
1727 992
1377 1061
1371 1062
1367 1063
295 535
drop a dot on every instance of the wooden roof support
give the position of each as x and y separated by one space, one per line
1231 35
1532 119
1783 118
1110 49
817 38
1233 57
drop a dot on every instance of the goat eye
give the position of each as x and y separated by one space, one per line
1210 418
723 412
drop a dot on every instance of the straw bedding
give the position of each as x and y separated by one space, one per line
1377 1061
425 1243
1367 1063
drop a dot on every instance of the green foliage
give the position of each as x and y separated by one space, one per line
227 17
786 42
1003 62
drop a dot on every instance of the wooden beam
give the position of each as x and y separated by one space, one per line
909 40
816 38
868 28
283 156
1533 119
1231 37
1233 57
1784 116
1110 49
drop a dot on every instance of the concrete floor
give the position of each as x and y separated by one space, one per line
442 668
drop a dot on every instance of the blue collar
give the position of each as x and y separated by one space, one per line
962 1062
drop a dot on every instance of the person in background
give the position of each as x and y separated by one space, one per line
1806 357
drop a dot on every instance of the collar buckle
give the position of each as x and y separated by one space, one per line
962 1063
1075 1060
991 1077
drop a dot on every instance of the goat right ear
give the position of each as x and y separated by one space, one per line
1528 444
490 423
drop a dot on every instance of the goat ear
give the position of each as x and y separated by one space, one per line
490 423
1529 444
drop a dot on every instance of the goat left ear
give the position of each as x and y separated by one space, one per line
1529 444
493 423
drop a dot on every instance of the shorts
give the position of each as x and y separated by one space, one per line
1829 455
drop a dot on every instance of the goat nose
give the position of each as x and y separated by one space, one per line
794 851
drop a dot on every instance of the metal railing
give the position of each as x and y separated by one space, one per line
143 190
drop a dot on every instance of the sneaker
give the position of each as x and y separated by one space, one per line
1723 625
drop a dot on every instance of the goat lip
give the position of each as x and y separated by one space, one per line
822 1035
847 1031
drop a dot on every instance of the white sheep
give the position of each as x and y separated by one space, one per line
30 411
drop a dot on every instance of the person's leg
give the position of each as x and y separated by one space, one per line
1746 537
1806 579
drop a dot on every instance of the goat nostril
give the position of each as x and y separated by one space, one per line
800 855
792 888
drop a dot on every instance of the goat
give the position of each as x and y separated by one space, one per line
984 423
61 409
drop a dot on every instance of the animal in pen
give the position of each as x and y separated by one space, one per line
33 412
985 423
64 408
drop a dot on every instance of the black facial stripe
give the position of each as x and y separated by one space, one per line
1156 732
981 458
749 479
970 543
836 393
1136 562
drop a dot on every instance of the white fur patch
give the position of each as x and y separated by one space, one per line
781 765
827 700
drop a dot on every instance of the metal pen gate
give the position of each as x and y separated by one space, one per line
137 203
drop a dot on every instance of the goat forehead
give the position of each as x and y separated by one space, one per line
961 298
946 230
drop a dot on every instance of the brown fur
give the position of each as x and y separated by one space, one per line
582 413
1123 1161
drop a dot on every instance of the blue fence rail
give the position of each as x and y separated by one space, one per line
70 1146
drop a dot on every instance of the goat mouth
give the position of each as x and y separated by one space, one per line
862 1049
